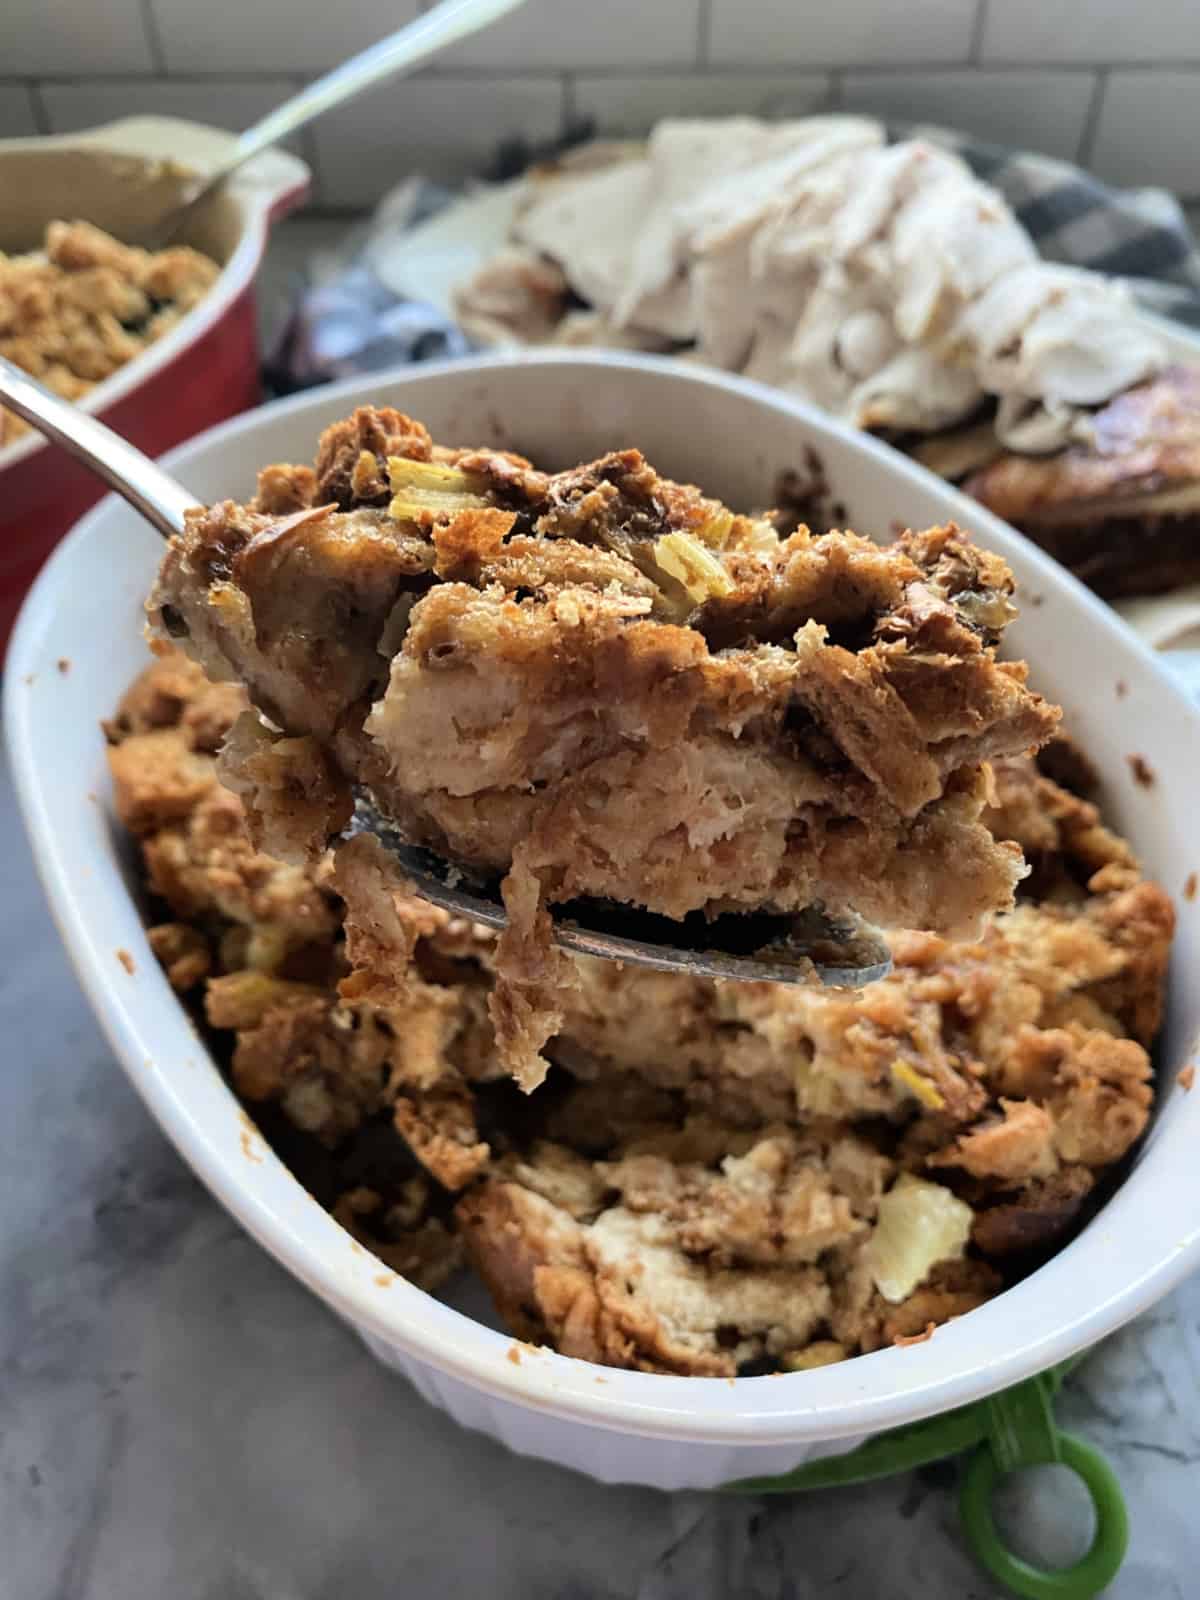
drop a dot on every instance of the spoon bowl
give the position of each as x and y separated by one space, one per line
797 949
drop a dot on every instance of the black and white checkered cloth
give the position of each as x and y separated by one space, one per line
352 323
1140 235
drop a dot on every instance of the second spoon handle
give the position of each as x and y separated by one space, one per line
423 37
123 467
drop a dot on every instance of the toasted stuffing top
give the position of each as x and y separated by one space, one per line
488 517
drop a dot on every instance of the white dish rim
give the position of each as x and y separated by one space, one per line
861 1396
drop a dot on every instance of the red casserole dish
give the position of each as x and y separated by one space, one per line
203 371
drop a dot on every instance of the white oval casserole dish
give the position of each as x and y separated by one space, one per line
733 437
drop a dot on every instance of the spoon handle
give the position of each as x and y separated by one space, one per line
423 37
124 468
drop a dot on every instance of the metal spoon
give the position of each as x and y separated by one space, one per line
776 949
401 51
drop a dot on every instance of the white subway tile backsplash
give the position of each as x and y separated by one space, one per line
1091 30
271 35
845 33
440 127
16 111
1148 131
575 34
1043 111
1011 71
234 105
66 36
633 105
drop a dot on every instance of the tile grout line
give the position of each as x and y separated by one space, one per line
1190 63
731 72
567 111
173 80
154 38
310 153
37 105
1091 120
1006 69
978 29
703 33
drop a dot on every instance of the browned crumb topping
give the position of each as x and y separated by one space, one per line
75 311
714 1178
602 683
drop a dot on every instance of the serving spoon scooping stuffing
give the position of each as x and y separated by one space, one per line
744 946
399 53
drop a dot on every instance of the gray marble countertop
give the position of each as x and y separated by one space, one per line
179 1417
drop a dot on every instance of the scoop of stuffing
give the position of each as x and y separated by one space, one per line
602 683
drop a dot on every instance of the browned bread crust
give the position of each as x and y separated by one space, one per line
601 683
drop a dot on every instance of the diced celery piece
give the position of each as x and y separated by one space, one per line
421 486
693 566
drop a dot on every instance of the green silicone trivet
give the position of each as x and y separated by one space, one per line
1004 1433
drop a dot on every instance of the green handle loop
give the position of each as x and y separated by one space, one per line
1005 1432
1086 1577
